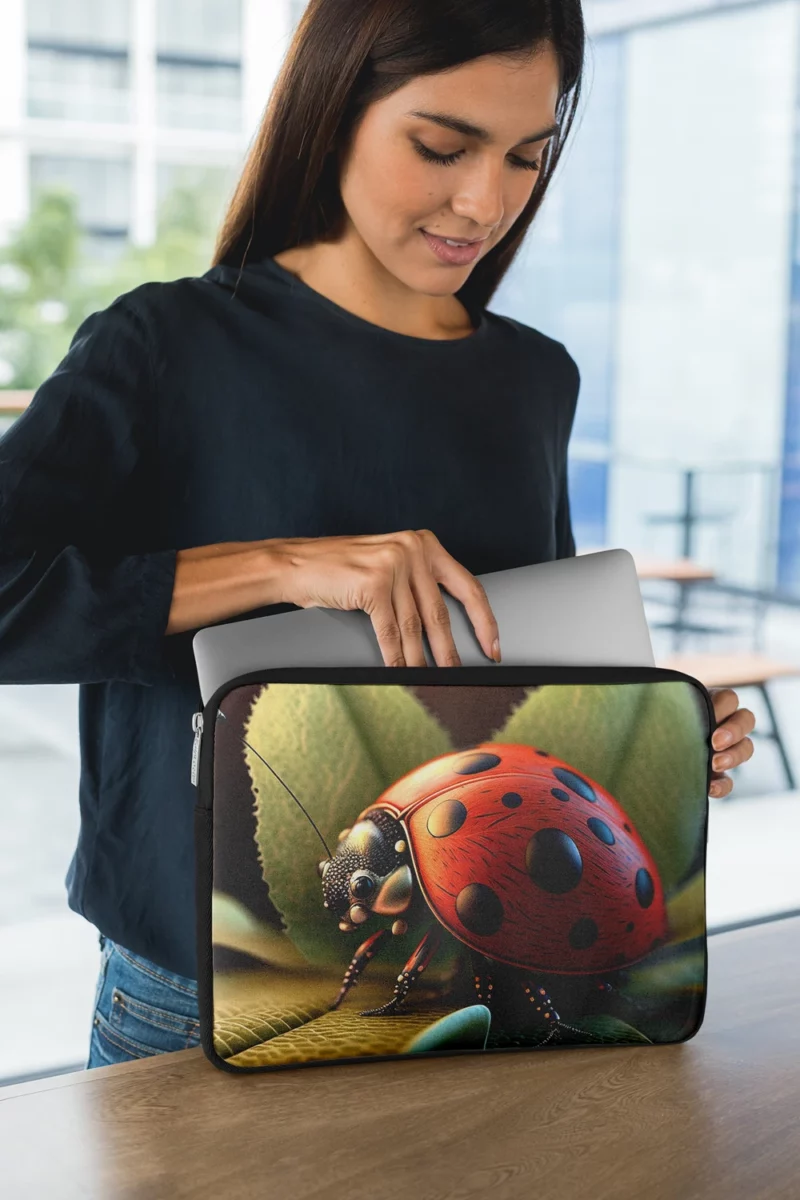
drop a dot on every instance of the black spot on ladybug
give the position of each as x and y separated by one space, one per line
629 927
601 830
553 861
543 753
578 785
446 818
583 934
512 799
472 764
644 887
627 826
479 909
559 793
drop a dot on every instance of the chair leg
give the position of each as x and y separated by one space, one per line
680 613
776 734
758 633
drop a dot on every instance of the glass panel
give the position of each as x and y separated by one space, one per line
91 22
102 187
105 248
41 940
192 96
200 28
77 87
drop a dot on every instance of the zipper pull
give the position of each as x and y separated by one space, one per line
197 726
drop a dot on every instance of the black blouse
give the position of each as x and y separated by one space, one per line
234 407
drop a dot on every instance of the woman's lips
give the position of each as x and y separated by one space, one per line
457 256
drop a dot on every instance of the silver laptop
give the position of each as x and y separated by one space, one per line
581 611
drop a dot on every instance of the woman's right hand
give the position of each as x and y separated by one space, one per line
394 578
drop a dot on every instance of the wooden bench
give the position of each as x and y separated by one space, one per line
740 670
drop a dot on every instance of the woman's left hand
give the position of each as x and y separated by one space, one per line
731 744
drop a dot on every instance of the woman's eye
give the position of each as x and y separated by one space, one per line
446 160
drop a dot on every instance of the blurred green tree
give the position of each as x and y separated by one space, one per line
50 280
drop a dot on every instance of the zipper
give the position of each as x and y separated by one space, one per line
197 726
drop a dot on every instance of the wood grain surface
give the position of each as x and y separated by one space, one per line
715 1117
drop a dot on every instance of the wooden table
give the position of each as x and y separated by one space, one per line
716 1117
739 668
12 403
674 570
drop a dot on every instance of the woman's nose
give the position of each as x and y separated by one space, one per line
480 199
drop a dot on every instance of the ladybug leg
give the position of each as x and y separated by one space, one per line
540 1002
482 979
545 1040
409 975
363 954
611 989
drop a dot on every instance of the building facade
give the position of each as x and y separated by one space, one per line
122 99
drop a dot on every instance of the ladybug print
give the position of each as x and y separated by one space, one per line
522 858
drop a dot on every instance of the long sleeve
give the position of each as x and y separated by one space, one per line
83 597
565 541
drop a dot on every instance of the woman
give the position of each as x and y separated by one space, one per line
328 417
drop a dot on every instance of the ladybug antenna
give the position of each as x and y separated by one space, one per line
220 713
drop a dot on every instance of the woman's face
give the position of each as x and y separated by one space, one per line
392 190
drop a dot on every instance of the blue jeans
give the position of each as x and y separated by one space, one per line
140 1009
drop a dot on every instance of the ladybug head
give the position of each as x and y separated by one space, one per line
369 872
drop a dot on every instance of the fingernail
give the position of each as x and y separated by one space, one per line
721 761
723 737
496 650
715 789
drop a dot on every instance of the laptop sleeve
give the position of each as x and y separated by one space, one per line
403 861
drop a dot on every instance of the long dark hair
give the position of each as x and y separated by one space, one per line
347 54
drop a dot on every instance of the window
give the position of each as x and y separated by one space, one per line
78 64
91 22
200 28
102 187
39 771
194 95
72 86
198 68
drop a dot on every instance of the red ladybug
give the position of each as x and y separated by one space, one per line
518 855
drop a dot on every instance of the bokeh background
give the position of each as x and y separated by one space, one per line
665 258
